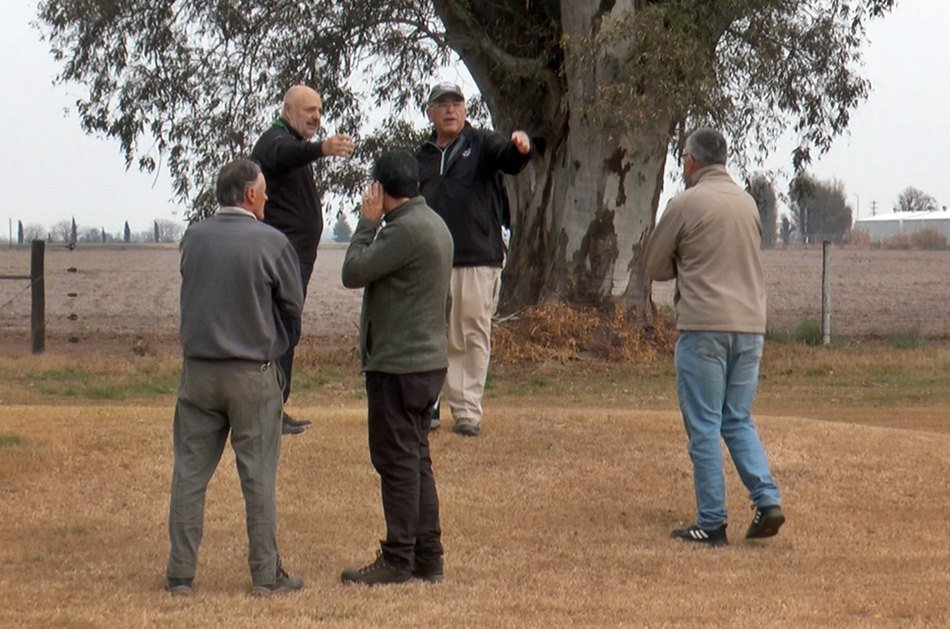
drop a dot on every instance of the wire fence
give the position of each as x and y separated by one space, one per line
135 290
37 302
874 292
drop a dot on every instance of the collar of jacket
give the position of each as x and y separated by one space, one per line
466 130
395 213
714 171
283 124
230 210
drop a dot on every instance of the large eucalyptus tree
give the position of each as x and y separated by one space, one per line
610 85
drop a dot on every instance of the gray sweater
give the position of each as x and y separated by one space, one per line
405 268
238 278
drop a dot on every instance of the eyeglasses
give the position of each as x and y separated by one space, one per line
445 105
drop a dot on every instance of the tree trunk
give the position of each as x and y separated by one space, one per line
582 211
581 215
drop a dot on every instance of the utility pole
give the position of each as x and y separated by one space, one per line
873 208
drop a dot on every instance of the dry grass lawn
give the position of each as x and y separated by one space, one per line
558 515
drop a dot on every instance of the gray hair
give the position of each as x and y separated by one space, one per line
235 177
707 146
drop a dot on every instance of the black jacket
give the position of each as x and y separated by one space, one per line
462 184
293 203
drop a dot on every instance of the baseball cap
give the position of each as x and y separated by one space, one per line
441 89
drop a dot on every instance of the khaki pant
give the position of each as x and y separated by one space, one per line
215 399
475 292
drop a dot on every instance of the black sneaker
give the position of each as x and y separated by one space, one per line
177 586
428 571
466 429
283 583
377 573
698 535
766 523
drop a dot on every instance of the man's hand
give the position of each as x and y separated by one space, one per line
372 207
340 145
521 141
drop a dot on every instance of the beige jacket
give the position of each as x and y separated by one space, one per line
708 240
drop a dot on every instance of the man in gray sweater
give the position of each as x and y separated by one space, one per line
708 240
404 267
239 277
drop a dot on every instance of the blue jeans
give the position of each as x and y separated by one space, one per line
716 377
286 361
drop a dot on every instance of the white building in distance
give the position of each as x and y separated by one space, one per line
884 226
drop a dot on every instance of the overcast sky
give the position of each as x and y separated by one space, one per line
51 171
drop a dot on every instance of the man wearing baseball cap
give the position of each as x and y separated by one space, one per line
459 167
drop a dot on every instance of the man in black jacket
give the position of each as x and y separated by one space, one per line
286 155
459 175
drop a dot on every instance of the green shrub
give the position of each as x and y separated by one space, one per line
910 338
774 335
808 332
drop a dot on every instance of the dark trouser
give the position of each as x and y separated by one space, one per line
286 361
400 407
217 398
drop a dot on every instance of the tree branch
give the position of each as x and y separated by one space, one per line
459 20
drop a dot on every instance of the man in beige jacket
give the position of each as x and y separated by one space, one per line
708 240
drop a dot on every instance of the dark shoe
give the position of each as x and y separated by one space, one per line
283 583
697 535
178 587
766 523
429 571
466 429
302 423
377 573
290 426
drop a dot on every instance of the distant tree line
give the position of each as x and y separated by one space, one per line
819 210
162 231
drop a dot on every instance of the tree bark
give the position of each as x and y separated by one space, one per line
582 210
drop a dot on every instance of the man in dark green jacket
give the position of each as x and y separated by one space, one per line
404 267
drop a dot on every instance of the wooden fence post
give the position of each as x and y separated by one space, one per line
825 292
38 308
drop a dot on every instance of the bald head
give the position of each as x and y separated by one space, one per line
302 110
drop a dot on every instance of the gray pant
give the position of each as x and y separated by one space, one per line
215 398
